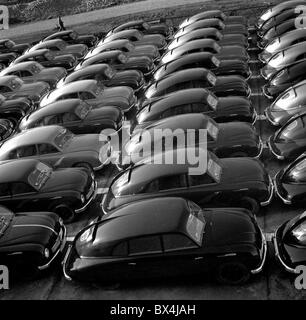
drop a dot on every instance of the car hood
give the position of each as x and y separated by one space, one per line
232 67
71 179
121 78
29 229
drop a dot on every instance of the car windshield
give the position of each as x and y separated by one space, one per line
82 110
212 100
299 233
63 138
5 220
214 170
297 173
40 175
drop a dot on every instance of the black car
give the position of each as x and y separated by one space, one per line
288 104
213 23
121 62
76 115
199 78
290 244
7 58
146 27
290 141
108 76
30 241
209 33
225 140
72 37
7 129
162 238
15 109
206 45
284 79
30 185
8 46
196 100
232 181
47 59
204 60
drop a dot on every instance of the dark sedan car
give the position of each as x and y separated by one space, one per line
95 94
8 46
225 140
7 58
13 87
58 147
75 115
199 78
46 58
284 59
277 9
30 185
213 23
72 37
284 41
108 76
30 240
290 182
146 27
290 141
59 47
213 14
206 45
32 71
162 238
138 38
204 60
284 79
128 47
15 109
196 100
279 30
121 62
210 33
290 244
291 102
232 181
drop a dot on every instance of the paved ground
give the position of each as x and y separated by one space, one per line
272 284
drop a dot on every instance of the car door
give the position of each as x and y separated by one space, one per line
26 76
24 196
71 121
48 153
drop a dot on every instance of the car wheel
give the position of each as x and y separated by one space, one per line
250 204
65 212
232 273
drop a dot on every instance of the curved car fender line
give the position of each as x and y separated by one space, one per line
35 225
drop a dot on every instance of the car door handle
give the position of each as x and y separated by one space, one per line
198 258
132 263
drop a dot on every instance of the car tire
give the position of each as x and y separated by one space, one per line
232 273
250 204
65 212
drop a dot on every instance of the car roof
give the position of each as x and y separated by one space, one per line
17 170
122 33
59 33
198 32
144 218
21 66
114 43
62 106
90 69
31 136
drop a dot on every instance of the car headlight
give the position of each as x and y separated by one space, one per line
82 198
47 253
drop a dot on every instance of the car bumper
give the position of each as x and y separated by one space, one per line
264 251
278 256
64 263
269 200
278 156
274 123
266 94
89 201
286 201
59 250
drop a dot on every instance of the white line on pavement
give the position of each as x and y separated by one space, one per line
256 94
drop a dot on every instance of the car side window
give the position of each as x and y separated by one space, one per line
197 180
18 188
70 96
68 117
4 190
172 182
200 107
46 148
173 242
5 89
86 95
120 250
15 73
152 187
27 151
51 120
25 73
145 245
